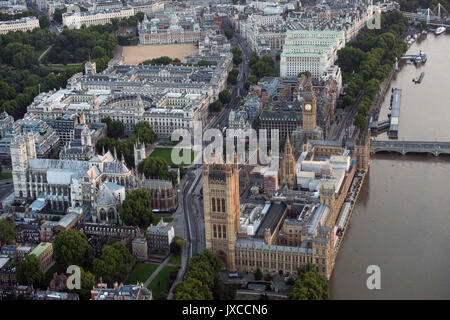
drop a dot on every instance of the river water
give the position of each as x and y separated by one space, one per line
401 222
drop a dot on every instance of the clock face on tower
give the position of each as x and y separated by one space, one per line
308 107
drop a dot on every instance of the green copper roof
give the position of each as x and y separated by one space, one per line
316 31
307 47
40 248
303 54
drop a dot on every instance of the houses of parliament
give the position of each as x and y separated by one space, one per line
298 225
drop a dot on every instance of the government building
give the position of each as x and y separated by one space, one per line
23 24
310 50
74 20
176 31
299 224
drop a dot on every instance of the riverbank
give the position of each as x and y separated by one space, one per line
401 219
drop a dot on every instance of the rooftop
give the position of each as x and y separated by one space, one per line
41 248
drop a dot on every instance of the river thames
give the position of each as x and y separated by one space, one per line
401 222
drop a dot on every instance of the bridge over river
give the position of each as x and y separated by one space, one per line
404 147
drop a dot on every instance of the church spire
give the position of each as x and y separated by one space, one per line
287 146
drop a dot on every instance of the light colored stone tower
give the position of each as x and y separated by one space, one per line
86 137
288 172
31 147
309 110
139 153
222 209
22 149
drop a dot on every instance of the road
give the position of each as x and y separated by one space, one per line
238 91
347 122
191 201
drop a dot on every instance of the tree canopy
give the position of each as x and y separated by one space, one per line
232 76
29 272
164 60
115 128
237 55
72 248
25 76
309 286
367 60
225 96
136 209
202 280
262 66
229 34
216 106
8 231
154 168
176 246
114 263
144 132
87 281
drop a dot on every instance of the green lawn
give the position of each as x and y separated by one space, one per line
175 260
5 175
166 154
141 272
163 280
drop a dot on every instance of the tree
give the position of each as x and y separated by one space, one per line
144 132
98 52
140 15
237 55
225 96
44 22
29 272
136 209
222 291
72 248
360 121
258 274
176 246
349 58
232 79
310 286
8 231
114 263
155 168
191 289
216 106
253 59
115 127
57 15
87 281
251 80
204 63
232 76
228 34
202 278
